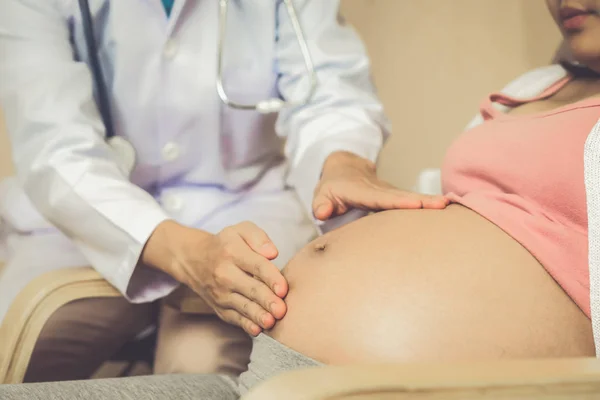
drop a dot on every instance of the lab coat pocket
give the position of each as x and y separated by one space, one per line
248 137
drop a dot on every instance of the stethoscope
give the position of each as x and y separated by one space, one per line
125 150
273 105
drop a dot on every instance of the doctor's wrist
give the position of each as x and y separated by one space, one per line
156 251
167 246
345 161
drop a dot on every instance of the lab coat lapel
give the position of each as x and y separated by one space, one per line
176 13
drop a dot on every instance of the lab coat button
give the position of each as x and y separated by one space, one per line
172 203
170 151
170 49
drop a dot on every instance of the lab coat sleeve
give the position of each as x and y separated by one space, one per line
344 114
61 158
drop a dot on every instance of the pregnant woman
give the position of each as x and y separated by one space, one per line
500 273
503 272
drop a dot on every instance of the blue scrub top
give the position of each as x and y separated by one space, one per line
168 6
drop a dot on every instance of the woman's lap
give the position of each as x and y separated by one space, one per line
268 359
157 387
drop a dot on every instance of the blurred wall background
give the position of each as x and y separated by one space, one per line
5 159
433 61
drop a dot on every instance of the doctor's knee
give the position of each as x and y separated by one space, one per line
200 344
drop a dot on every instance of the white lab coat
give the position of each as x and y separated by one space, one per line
198 161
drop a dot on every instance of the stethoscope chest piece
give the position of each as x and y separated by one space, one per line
125 153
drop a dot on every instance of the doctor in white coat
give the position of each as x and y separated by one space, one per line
219 198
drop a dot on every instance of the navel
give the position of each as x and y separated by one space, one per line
320 247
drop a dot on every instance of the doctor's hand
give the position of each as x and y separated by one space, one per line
349 181
231 270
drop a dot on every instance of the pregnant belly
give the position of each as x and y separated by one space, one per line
426 285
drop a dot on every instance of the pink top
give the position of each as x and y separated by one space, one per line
525 174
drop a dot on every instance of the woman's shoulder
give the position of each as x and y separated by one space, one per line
530 84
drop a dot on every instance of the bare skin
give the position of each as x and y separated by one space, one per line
419 285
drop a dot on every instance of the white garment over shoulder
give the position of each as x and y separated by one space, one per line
198 161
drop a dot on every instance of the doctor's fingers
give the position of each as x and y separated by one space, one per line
250 310
257 239
427 201
388 198
396 198
324 205
257 291
263 270
435 202
235 318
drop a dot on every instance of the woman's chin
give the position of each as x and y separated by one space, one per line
585 51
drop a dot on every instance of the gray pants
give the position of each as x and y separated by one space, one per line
268 359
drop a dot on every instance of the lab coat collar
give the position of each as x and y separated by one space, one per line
173 18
